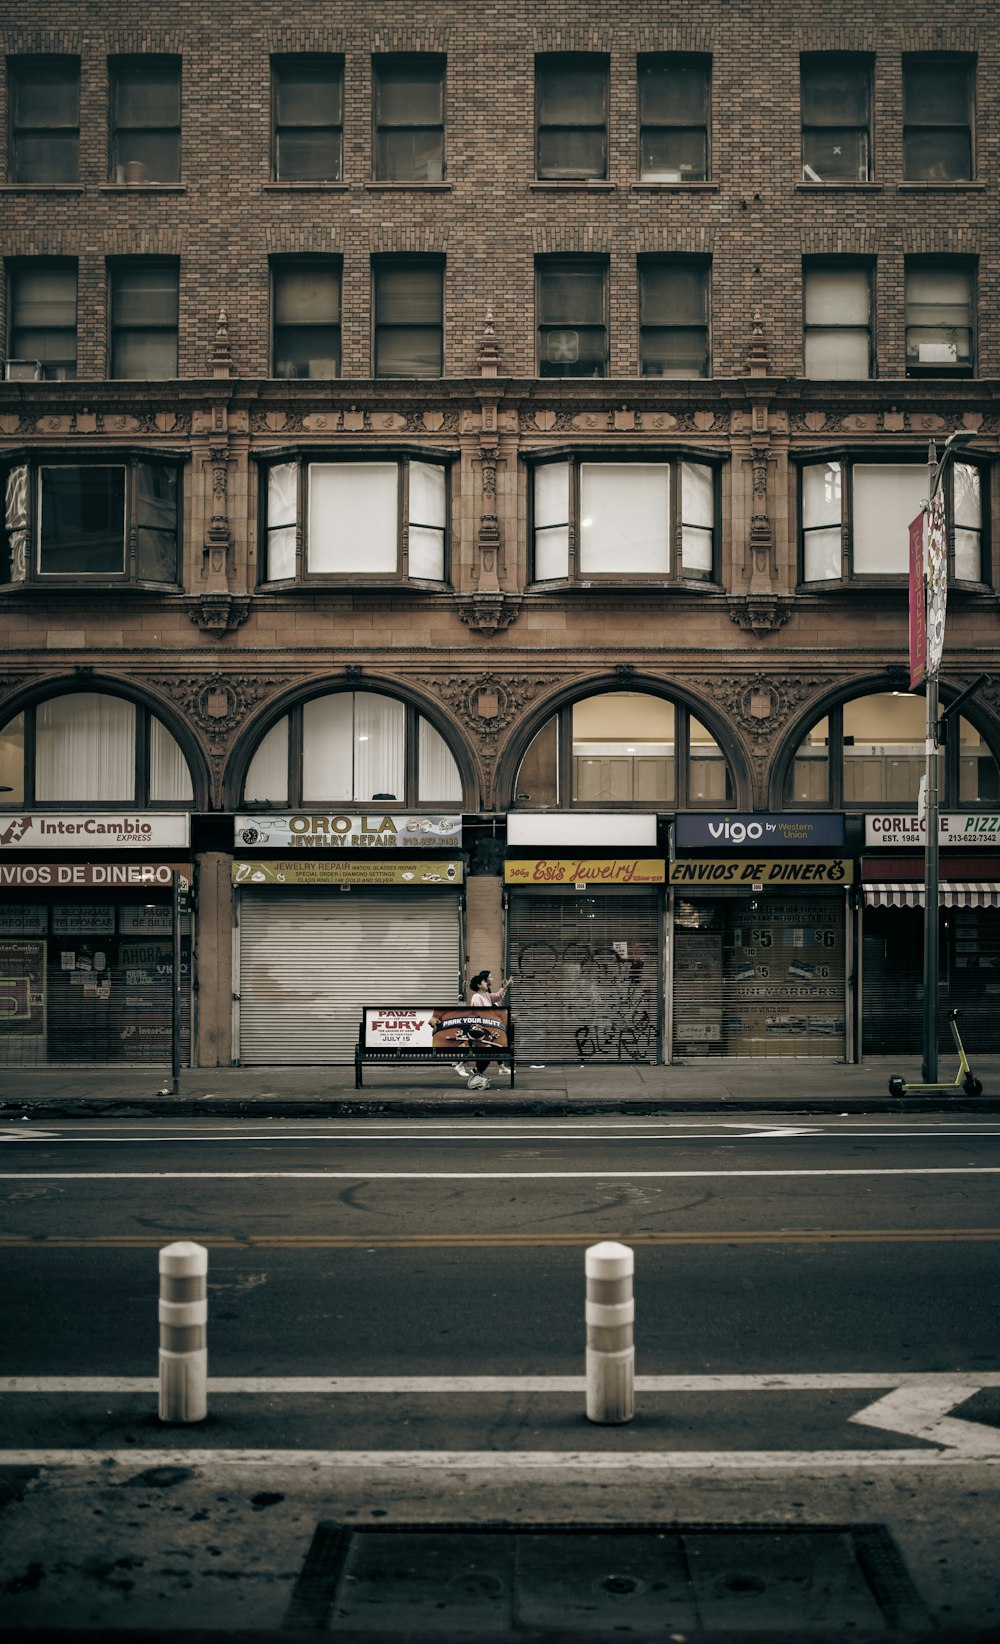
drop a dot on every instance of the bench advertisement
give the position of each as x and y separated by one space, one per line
450 1029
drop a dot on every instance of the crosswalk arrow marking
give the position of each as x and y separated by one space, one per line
923 1412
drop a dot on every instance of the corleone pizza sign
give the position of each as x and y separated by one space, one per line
448 1028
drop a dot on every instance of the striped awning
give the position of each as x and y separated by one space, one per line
954 894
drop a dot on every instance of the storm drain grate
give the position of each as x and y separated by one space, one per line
503 1579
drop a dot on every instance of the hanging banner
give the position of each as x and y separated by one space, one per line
309 871
918 605
937 582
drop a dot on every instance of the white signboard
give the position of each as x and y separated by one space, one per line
93 830
955 828
618 829
331 830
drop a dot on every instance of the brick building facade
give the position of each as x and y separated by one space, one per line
493 432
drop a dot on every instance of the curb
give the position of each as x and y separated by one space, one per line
461 1107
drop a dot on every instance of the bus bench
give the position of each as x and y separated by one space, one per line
433 1035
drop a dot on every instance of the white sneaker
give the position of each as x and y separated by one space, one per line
505 1069
461 1069
478 1082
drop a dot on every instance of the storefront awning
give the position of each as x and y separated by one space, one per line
954 894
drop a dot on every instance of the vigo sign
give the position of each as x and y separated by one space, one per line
694 831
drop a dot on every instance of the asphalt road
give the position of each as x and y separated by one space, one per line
396 1318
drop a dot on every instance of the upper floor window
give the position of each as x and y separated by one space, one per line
307 118
409 118
571 114
144 312
837 305
44 119
42 308
673 316
836 117
356 519
674 117
623 748
306 309
571 303
117 521
409 316
938 118
870 751
353 747
90 748
940 310
146 119
653 520
855 516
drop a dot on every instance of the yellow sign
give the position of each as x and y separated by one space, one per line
779 870
575 870
415 871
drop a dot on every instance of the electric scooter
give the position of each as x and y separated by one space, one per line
964 1078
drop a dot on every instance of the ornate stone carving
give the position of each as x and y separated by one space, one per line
759 614
489 613
218 703
219 613
759 703
487 703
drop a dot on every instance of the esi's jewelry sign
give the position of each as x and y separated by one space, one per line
449 1028
415 871
575 870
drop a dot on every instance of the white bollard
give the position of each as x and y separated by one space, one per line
183 1325
610 1333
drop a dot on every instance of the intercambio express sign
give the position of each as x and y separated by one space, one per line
98 830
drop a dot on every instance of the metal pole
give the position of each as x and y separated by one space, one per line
175 991
931 883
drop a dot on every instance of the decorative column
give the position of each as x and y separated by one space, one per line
217 611
760 611
490 608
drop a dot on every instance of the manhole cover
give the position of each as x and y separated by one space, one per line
589 1579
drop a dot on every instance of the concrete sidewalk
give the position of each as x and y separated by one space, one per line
784 1085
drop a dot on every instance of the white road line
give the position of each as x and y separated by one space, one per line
478 1136
955 1385
566 1463
468 1175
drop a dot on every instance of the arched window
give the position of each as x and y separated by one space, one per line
623 748
870 751
351 747
87 748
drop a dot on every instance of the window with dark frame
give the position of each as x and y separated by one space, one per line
306 316
355 519
674 117
145 119
837 319
409 316
571 116
117 520
409 118
647 518
854 512
869 751
835 90
673 316
44 120
144 317
307 93
91 747
938 103
42 310
571 304
940 310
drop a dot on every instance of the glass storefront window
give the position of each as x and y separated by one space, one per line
811 769
884 755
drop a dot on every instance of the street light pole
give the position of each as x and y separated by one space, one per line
932 743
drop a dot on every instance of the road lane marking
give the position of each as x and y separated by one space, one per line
578 1465
473 1175
925 1412
496 1241
958 1386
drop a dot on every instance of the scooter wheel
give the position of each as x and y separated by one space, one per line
896 1085
971 1085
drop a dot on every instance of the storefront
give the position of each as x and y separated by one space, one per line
360 910
585 937
892 984
762 942
86 947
